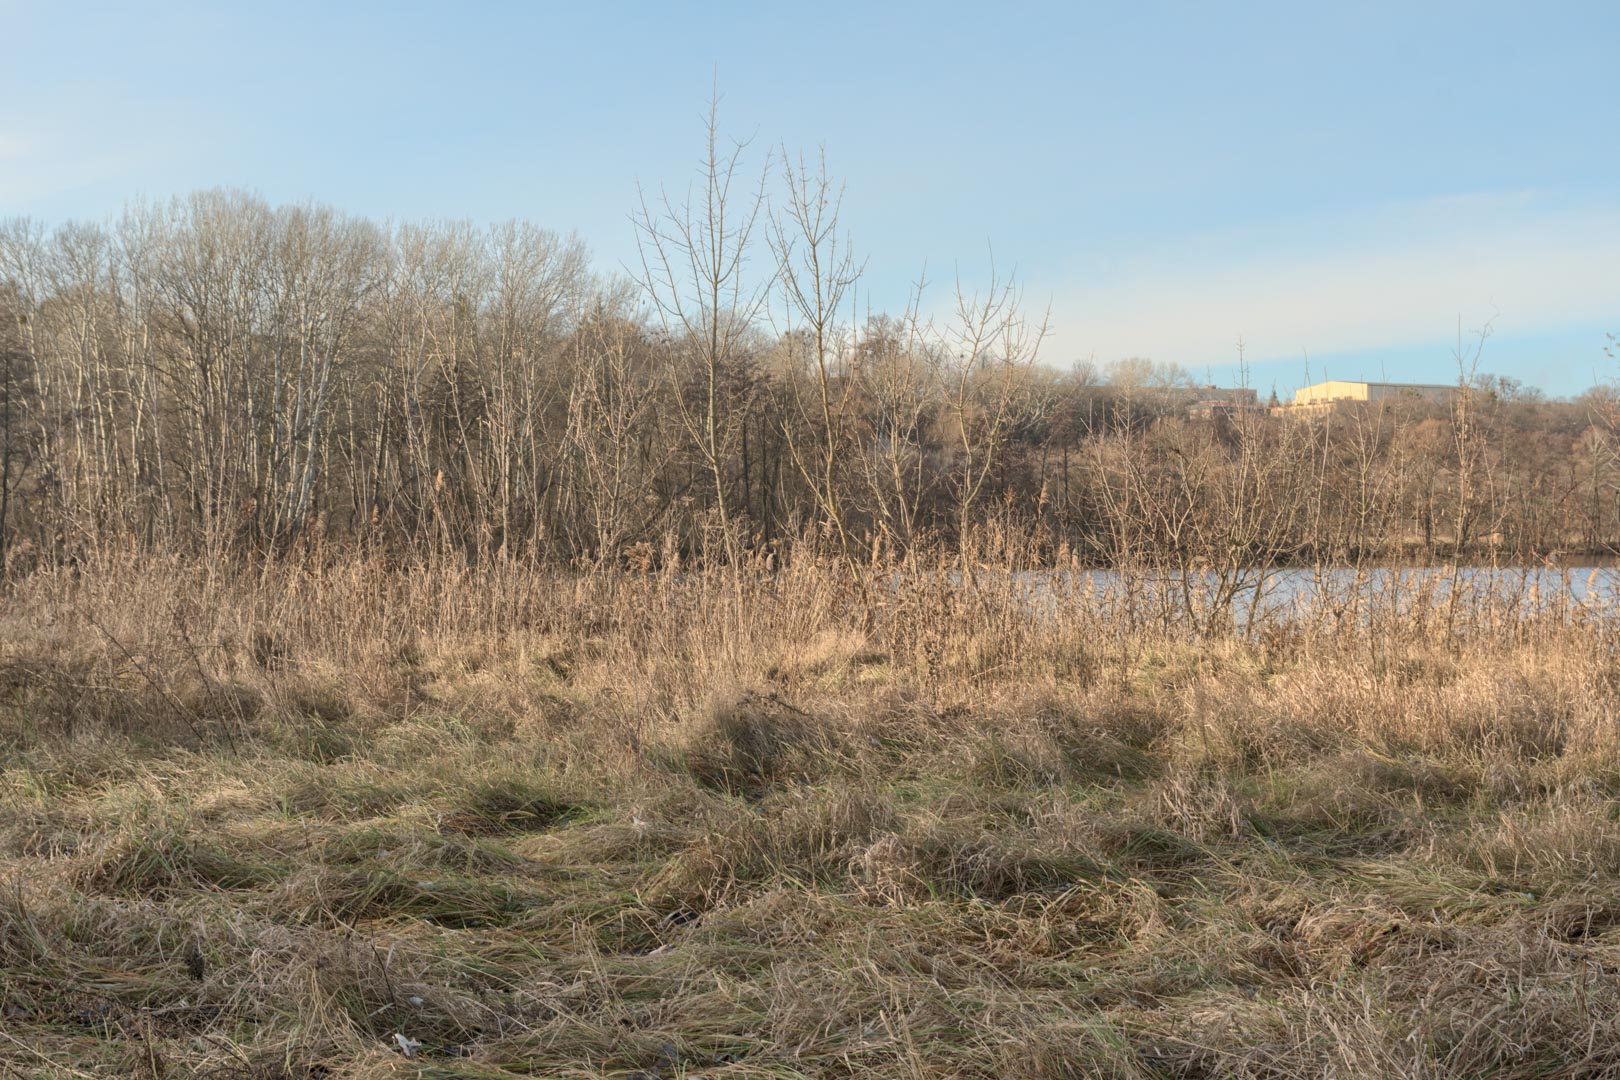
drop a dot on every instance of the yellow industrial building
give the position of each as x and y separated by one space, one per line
1324 396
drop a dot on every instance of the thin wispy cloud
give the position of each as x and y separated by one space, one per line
90 149
1364 280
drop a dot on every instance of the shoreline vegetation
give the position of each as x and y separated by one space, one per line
299 818
217 375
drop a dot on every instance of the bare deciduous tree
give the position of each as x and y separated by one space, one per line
695 258
815 273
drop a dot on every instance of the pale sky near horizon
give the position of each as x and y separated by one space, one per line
1349 183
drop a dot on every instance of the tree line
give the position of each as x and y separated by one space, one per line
220 374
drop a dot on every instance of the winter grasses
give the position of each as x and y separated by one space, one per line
297 820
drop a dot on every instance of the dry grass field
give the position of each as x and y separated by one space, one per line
350 821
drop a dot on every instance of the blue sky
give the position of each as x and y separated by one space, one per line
1345 182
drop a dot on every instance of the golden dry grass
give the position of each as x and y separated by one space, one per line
256 823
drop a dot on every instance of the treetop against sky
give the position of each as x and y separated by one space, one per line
1339 189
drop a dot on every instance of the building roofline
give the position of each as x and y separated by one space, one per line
1375 382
